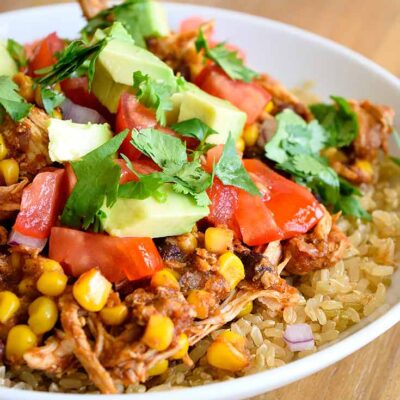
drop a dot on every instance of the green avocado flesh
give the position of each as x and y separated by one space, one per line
8 66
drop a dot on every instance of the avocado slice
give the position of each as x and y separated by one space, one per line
150 218
218 114
69 141
115 67
8 66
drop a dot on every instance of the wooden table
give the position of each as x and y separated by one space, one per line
372 28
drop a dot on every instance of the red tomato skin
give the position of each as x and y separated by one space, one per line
44 53
294 208
40 205
117 258
142 166
193 23
248 97
212 157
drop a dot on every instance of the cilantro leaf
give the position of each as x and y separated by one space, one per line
17 52
144 188
10 100
153 94
71 59
339 120
231 171
226 59
396 160
51 99
97 183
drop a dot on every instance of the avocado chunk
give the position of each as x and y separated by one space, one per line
150 218
151 18
8 66
69 141
115 67
218 114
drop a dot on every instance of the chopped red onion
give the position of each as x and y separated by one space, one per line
299 337
18 239
80 114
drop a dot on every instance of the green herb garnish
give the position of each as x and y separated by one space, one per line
51 99
11 102
17 52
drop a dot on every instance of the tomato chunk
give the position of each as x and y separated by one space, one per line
44 53
248 97
117 258
142 166
40 205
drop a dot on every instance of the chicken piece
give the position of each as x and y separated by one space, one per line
91 8
10 199
282 98
321 248
27 141
73 328
54 357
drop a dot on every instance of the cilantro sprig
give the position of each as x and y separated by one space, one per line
11 102
17 52
51 99
226 59
296 148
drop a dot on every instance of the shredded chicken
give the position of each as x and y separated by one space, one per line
91 8
10 199
27 141
321 248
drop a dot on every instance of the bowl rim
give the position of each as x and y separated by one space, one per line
263 381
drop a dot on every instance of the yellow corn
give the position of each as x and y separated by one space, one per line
43 315
3 148
49 265
159 332
19 340
231 268
250 134
165 278
9 169
365 166
187 243
9 305
27 285
25 84
158 368
228 352
57 114
91 290
240 145
52 283
247 309
217 240
202 301
114 315
183 343
269 107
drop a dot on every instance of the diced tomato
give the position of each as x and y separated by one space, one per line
193 23
294 208
142 166
248 97
256 222
213 155
40 205
44 53
117 258
70 179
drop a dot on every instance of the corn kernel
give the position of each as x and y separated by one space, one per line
202 301
187 243
57 114
165 278
52 283
247 309
19 340
114 315
365 166
158 368
250 134
218 240
9 169
269 107
49 265
183 343
240 145
9 305
27 285
228 352
159 332
231 268
3 148
91 290
25 84
43 315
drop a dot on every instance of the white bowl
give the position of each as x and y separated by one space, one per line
293 56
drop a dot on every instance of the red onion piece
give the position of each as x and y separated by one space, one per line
299 337
80 114
18 239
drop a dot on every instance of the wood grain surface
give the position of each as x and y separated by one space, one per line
371 27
